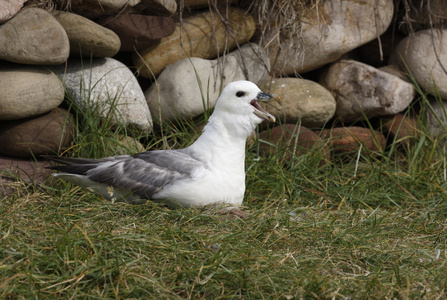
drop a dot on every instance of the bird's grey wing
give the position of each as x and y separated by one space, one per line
146 173
180 160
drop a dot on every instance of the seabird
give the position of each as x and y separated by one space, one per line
210 171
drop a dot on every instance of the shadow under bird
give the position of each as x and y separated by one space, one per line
210 171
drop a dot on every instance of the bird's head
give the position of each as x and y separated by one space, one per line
240 100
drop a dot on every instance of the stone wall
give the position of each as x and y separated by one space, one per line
334 65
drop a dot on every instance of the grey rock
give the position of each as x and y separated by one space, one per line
437 119
27 91
9 8
302 101
188 87
424 55
323 35
87 37
110 87
33 37
363 91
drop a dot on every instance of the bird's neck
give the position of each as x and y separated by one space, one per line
223 141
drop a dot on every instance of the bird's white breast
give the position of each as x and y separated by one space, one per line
221 180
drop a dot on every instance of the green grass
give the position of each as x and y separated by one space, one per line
370 226
379 235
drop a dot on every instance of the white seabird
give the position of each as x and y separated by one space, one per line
210 171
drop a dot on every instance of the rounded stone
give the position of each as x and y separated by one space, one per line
188 87
88 38
109 86
324 33
348 140
9 9
292 140
300 100
424 55
40 135
362 91
401 129
436 118
139 31
204 35
27 91
34 37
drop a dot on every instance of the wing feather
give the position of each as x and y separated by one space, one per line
145 173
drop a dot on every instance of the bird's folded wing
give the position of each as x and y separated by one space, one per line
146 173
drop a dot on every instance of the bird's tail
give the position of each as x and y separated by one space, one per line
71 165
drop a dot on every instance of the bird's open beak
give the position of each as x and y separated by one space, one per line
259 111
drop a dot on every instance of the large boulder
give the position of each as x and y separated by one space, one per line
33 37
27 91
301 100
188 87
325 33
363 91
204 35
108 86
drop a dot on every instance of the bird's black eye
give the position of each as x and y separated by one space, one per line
240 94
